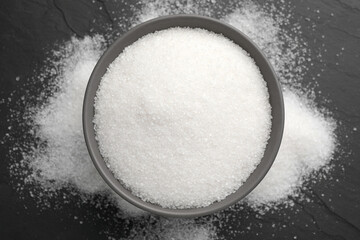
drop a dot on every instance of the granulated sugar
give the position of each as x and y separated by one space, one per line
266 25
308 144
59 123
185 107
285 52
59 159
177 229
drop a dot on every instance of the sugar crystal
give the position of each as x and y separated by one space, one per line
182 117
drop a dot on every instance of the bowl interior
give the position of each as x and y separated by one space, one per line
192 21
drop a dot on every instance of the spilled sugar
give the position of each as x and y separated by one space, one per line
177 229
287 54
62 159
265 25
308 144
182 113
61 118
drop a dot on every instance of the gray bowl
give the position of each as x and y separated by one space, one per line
192 21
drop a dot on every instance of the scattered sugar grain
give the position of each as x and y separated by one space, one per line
64 158
266 27
168 110
174 229
128 210
280 35
308 144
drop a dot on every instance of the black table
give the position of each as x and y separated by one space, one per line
28 28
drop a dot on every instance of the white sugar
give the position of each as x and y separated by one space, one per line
59 126
308 144
277 35
65 160
266 28
183 117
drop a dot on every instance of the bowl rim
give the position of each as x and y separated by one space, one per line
192 21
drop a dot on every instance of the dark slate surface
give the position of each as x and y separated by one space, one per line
29 28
